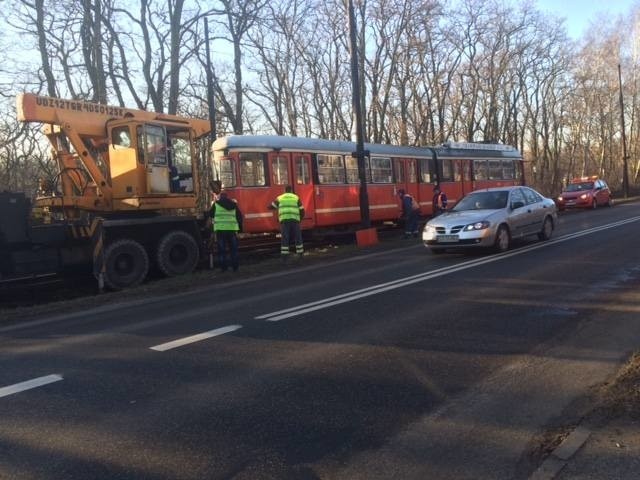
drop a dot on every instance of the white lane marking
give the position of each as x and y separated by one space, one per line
195 338
402 282
29 384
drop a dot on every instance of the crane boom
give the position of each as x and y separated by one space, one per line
90 118
114 159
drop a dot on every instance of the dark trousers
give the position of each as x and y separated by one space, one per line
290 230
227 240
411 223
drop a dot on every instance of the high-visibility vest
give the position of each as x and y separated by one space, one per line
288 207
225 220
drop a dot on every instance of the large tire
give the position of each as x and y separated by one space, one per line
503 239
547 229
594 204
177 253
126 264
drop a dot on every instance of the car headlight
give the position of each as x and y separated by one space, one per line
560 198
429 229
584 196
476 226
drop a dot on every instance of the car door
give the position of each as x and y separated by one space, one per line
518 214
601 192
535 211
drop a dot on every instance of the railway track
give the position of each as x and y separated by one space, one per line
254 250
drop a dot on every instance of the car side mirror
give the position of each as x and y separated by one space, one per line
516 204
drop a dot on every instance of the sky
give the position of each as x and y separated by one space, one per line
579 14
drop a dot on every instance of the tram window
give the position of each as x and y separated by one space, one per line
457 170
427 172
508 170
447 170
331 168
303 175
398 170
280 167
226 172
352 170
411 171
495 170
252 171
381 170
518 166
480 169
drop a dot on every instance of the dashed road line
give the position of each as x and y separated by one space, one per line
195 338
29 384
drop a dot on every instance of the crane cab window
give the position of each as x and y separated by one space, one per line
120 137
180 157
152 144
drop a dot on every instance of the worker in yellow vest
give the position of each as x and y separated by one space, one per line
290 213
227 222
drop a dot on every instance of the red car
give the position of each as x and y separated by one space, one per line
585 192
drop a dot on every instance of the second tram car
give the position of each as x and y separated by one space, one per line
324 173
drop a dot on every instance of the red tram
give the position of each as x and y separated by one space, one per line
324 174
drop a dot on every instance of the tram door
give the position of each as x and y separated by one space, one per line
294 169
406 177
400 174
464 168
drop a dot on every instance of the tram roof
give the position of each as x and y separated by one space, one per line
269 143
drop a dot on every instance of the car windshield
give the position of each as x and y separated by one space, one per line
578 187
483 200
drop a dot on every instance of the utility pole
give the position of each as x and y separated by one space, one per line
357 113
625 171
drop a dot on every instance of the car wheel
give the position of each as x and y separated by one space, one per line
503 239
609 202
547 229
594 204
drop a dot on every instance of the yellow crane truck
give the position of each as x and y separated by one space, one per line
123 201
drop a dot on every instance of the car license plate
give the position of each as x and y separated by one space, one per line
447 238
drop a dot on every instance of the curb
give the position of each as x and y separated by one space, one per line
555 462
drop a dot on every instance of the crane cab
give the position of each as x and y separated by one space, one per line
150 158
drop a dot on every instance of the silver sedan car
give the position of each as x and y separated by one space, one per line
492 218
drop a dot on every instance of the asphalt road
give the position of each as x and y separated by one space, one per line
390 364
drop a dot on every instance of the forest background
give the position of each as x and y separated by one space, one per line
432 71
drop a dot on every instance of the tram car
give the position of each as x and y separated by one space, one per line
254 170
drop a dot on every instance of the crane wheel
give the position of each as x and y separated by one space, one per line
177 253
126 264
